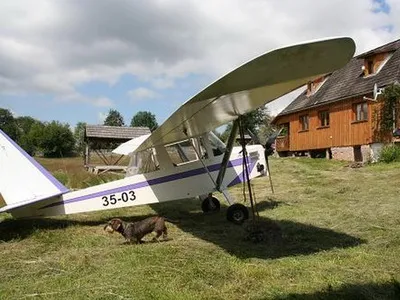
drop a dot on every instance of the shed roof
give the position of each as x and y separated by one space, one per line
349 81
114 132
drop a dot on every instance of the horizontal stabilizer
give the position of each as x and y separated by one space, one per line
22 179
130 146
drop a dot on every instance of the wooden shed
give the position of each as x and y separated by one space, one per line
101 140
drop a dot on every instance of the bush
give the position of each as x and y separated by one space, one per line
54 139
390 153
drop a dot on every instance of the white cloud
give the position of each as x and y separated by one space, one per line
101 117
76 97
275 107
51 47
142 93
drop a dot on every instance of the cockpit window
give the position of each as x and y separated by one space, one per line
142 162
218 147
181 152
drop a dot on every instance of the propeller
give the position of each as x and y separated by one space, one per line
269 150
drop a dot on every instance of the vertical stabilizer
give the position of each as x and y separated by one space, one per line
22 179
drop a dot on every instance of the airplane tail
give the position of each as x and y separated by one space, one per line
22 179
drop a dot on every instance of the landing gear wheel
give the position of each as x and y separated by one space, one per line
237 213
210 204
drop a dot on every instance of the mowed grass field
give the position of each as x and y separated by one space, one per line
341 240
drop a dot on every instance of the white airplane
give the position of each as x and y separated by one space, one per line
156 174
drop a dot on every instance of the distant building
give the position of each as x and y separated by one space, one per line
100 140
336 116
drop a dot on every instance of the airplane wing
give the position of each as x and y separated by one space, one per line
250 86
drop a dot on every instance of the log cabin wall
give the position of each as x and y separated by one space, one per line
343 129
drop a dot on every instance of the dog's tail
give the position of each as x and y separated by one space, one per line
171 221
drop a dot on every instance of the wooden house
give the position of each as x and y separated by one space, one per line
101 140
337 116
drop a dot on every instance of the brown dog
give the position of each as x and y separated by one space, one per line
135 231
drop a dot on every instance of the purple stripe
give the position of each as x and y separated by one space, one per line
150 182
241 177
38 166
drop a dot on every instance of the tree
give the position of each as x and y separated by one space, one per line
114 118
144 119
266 128
252 121
79 134
25 140
8 124
54 139
25 123
390 107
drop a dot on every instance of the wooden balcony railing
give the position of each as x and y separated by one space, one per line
282 143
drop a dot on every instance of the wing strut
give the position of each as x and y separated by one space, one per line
246 168
227 154
202 162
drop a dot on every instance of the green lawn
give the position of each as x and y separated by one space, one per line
341 240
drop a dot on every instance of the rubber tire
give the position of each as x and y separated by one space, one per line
237 213
205 205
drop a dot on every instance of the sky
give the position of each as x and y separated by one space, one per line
75 60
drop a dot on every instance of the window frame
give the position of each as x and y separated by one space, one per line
362 114
324 116
370 66
304 120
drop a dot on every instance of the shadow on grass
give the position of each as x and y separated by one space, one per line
298 238
16 229
268 204
352 291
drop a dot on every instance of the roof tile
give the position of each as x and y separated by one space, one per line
114 132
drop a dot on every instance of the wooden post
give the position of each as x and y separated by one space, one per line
87 154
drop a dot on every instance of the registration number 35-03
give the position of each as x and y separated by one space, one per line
113 199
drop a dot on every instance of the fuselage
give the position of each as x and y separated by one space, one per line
186 180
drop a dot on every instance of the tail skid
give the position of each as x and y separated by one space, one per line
22 179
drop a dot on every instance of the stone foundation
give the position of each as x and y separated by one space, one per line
366 153
369 153
343 153
348 153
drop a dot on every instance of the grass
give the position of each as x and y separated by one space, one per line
341 241
70 172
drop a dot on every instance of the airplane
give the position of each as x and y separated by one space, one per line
183 158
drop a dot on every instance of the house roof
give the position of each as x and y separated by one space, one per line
115 132
349 81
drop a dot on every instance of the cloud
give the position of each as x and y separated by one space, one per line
101 117
142 93
76 97
52 47
275 107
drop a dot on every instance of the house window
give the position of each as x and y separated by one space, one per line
304 122
361 111
284 131
370 67
324 118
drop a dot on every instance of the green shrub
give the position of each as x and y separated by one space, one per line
390 153
61 177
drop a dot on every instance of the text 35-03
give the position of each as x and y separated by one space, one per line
115 198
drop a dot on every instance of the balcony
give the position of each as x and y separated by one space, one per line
282 143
